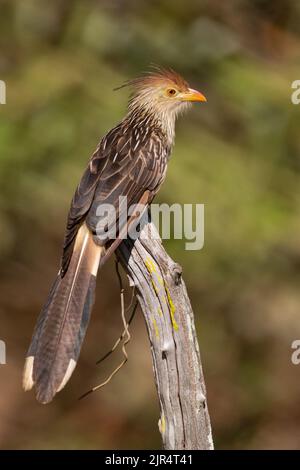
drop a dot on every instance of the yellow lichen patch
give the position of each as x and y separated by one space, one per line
154 286
162 424
160 312
172 310
150 265
155 327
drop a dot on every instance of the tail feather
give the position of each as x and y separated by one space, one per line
62 324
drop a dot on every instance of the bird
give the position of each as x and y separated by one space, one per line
131 162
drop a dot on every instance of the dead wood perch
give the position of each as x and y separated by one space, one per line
184 422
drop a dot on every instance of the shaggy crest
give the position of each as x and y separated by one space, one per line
157 77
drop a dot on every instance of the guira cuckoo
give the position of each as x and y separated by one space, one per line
131 160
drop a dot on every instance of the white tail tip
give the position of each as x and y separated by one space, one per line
69 372
28 382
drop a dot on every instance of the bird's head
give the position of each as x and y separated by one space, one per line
163 94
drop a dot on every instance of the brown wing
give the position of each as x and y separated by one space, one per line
126 163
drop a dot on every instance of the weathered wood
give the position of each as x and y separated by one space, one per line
184 422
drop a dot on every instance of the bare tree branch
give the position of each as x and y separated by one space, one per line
184 422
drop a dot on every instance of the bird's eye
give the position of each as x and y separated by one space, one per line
171 92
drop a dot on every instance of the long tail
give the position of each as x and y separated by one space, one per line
61 327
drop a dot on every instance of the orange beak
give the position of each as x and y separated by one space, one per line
193 95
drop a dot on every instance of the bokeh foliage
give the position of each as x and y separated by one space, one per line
239 155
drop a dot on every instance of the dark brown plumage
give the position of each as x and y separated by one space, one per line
131 160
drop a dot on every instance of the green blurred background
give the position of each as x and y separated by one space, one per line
239 155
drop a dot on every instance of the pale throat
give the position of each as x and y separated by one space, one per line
167 121
147 108
149 116
165 116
